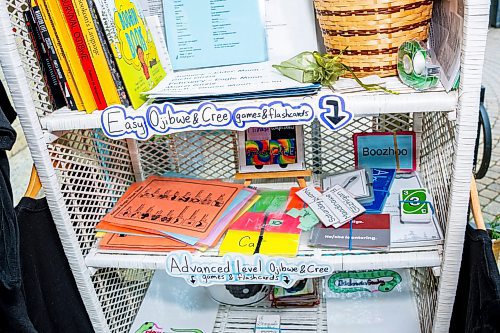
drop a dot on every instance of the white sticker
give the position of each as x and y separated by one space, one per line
239 269
312 197
118 122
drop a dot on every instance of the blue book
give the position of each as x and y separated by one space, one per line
214 33
382 181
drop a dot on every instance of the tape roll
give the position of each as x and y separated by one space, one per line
414 66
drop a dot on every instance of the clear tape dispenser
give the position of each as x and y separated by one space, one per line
414 66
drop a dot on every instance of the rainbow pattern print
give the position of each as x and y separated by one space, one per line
283 151
257 152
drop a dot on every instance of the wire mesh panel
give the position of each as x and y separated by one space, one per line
120 292
30 63
329 152
425 286
436 160
94 172
203 154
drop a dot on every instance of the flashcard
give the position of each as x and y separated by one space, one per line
414 206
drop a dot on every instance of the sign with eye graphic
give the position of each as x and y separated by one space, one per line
271 149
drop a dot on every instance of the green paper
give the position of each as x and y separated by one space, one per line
294 212
308 220
270 202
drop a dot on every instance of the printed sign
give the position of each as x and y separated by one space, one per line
119 122
238 269
385 150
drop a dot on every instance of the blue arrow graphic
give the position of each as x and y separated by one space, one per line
334 115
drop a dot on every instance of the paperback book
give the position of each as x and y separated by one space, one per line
133 47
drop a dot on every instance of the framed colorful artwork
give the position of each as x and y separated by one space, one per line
271 149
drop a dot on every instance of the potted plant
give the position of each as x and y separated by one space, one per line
494 232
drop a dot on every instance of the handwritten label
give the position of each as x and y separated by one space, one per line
238 269
118 122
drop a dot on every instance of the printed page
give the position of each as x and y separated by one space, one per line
371 301
214 32
409 234
446 39
225 80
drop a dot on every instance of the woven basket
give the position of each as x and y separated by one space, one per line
372 30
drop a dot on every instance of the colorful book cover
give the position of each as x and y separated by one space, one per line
52 12
115 74
132 46
96 51
49 77
368 231
83 52
382 182
72 98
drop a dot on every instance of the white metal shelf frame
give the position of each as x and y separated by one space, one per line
28 101
359 103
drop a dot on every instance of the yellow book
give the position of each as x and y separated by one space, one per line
96 51
51 10
133 47
60 54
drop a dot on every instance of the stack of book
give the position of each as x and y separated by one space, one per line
164 214
93 54
305 293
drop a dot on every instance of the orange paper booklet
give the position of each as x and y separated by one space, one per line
188 207
125 243
116 229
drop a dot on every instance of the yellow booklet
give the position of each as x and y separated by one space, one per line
96 52
132 46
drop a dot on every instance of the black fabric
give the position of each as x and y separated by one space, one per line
13 314
477 302
53 301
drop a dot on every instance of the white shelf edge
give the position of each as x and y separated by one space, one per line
360 104
429 256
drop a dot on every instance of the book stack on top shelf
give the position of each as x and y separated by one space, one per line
84 61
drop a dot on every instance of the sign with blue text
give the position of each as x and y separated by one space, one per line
119 122
239 269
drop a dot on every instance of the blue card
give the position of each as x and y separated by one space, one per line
382 181
214 33
385 150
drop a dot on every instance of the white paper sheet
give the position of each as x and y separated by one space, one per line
172 304
407 235
389 312
224 80
291 28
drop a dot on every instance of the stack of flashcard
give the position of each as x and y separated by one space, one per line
356 182
415 206
305 293
334 207
163 214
